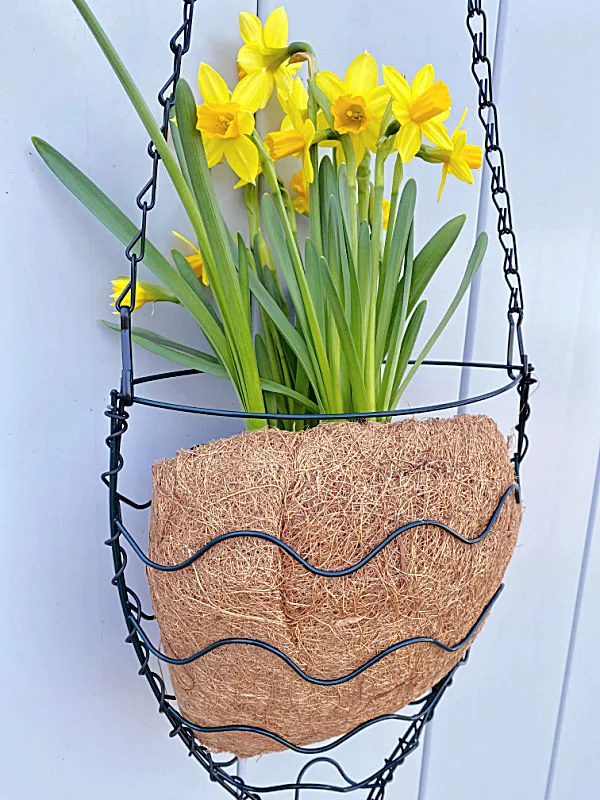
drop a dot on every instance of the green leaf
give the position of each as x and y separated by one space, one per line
203 362
123 228
402 227
173 351
287 330
389 384
472 267
408 343
278 244
176 139
355 371
192 280
429 258
216 250
243 272
313 279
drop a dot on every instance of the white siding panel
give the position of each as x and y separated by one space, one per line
493 737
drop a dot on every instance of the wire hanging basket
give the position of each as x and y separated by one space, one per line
516 377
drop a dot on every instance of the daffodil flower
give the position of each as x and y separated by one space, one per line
357 102
298 97
301 202
264 52
227 119
195 261
459 160
420 109
295 139
144 293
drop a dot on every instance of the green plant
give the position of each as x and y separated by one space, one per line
340 311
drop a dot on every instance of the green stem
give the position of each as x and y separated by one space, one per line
372 369
248 385
396 183
364 179
271 177
350 157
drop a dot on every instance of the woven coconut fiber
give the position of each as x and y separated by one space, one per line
333 493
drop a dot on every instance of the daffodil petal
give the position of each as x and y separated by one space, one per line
299 94
212 86
423 80
242 157
371 135
284 79
401 111
290 109
331 84
251 90
246 122
462 119
186 241
250 58
308 172
461 170
442 182
437 134
459 140
276 28
398 86
377 100
214 150
251 27
408 141
362 74
473 155
308 131
358 140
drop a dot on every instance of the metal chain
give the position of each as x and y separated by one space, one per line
481 68
146 200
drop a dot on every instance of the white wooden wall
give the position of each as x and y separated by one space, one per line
521 721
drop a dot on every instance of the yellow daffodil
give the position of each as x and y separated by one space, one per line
227 119
301 202
295 139
459 160
195 261
357 102
264 52
386 213
298 97
420 109
144 293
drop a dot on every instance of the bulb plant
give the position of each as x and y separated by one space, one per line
322 323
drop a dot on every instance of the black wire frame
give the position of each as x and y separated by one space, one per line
519 379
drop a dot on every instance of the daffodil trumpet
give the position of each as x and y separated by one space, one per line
322 316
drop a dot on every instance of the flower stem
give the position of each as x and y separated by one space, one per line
350 156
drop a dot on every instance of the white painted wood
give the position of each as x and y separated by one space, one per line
77 721
68 675
493 736
574 768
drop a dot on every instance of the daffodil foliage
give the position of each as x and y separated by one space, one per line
322 321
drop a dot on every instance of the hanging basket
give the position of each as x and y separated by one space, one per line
332 494
308 585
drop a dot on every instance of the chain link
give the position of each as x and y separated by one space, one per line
146 199
481 67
